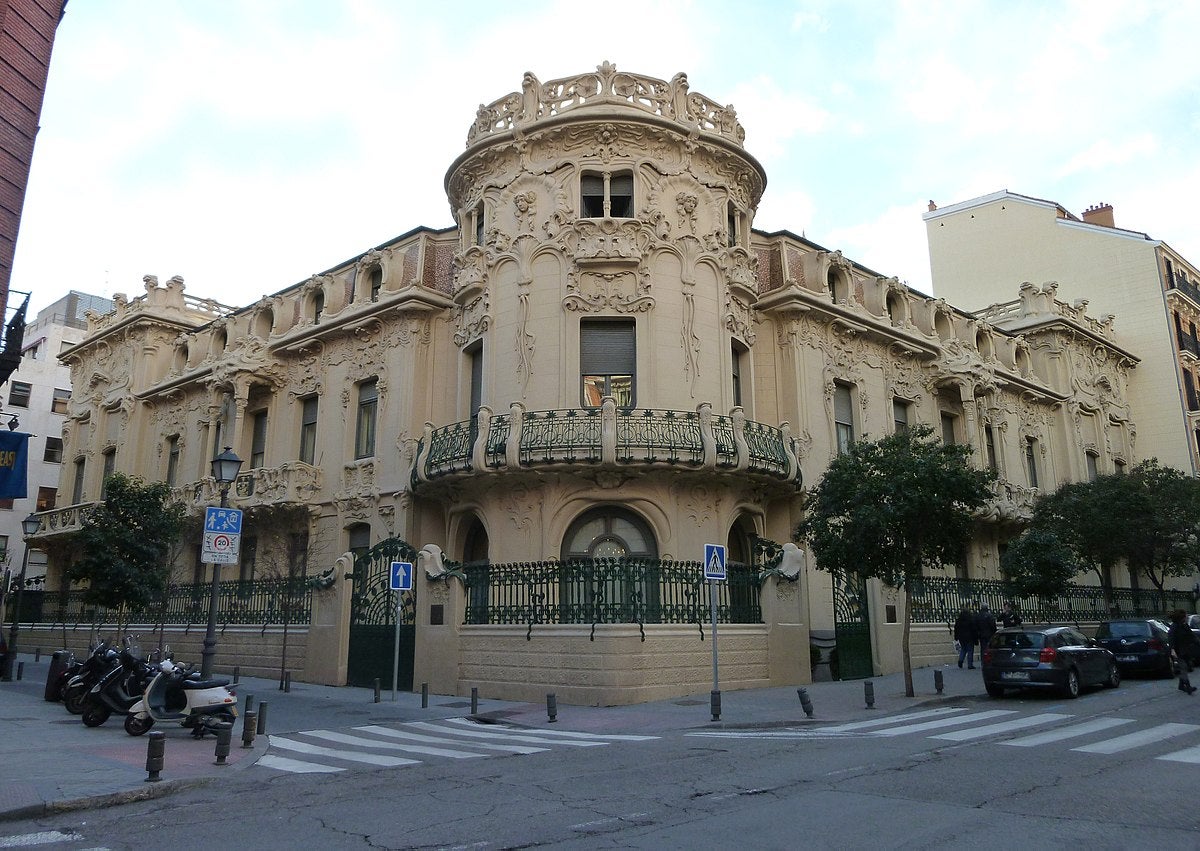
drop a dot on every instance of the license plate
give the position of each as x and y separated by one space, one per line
1014 675
1127 658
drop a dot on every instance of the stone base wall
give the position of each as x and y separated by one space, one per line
257 653
616 667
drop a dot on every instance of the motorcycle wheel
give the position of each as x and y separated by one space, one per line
135 726
94 716
75 699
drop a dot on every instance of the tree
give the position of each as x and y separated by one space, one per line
891 508
1038 564
1081 515
124 542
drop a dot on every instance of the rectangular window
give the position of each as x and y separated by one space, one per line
1189 386
948 425
249 559
900 415
308 429
77 487
3 546
737 362
1031 461
110 466
53 453
989 437
731 225
172 459
364 430
607 361
258 440
1091 460
479 224
46 498
198 571
58 405
843 417
606 195
476 358
19 393
376 281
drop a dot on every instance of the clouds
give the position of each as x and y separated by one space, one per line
246 146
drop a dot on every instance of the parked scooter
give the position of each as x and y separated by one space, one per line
178 694
119 689
101 660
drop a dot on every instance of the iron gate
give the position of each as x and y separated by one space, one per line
852 627
373 618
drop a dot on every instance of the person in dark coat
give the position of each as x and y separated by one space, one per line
985 626
1010 616
964 634
1185 647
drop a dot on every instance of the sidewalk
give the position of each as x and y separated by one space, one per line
53 763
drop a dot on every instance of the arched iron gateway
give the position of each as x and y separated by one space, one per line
373 618
852 627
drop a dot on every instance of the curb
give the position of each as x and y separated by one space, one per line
148 792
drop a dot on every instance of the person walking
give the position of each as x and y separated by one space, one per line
964 635
1185 647
985 626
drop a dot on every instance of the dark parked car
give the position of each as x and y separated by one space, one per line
1193 622
1058 657
1141 646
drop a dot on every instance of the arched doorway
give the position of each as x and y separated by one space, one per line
477 569
610 569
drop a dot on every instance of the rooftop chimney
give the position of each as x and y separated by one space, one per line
1100 214
932 206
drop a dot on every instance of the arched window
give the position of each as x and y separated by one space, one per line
604 579
476 568
740 572
609 532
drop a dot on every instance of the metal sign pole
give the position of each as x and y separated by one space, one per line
396 651
712 598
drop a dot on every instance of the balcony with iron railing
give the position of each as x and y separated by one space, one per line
607 436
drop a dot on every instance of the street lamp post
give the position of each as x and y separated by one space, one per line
225 469
29 526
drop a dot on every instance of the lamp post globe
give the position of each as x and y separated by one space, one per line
225 468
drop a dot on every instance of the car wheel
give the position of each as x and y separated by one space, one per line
1114 676
994 690
1071 689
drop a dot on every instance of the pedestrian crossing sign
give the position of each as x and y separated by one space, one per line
714 561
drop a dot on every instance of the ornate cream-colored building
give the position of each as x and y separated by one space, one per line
602 359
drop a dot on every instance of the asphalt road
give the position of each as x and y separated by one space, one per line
1030 772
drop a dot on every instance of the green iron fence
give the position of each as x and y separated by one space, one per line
937 599
264 601
607 591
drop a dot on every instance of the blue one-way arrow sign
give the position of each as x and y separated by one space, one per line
402 576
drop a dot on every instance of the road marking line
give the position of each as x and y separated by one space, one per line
283 763
879 722
1002 727
944 722
775 734
1134 740
570 734
509 734
317 750
46 837
1187 755
359 741
1093 726
442 740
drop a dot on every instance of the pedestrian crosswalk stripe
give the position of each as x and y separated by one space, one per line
1001 727
317 750
1134 740
508 734
892 719
346 739
1186 755
564 734
944 722
296 766
1071 732
418 737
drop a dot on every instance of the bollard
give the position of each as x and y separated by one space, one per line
248 722
474 700
287 682
937 680
552 707
249 703
714 702
377 689
155 751
424 695
262 717
224 734
20 670
37 655
805 701
237 673
869 694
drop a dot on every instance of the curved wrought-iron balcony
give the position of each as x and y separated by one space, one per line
607 436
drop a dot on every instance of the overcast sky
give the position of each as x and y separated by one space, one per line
248 145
